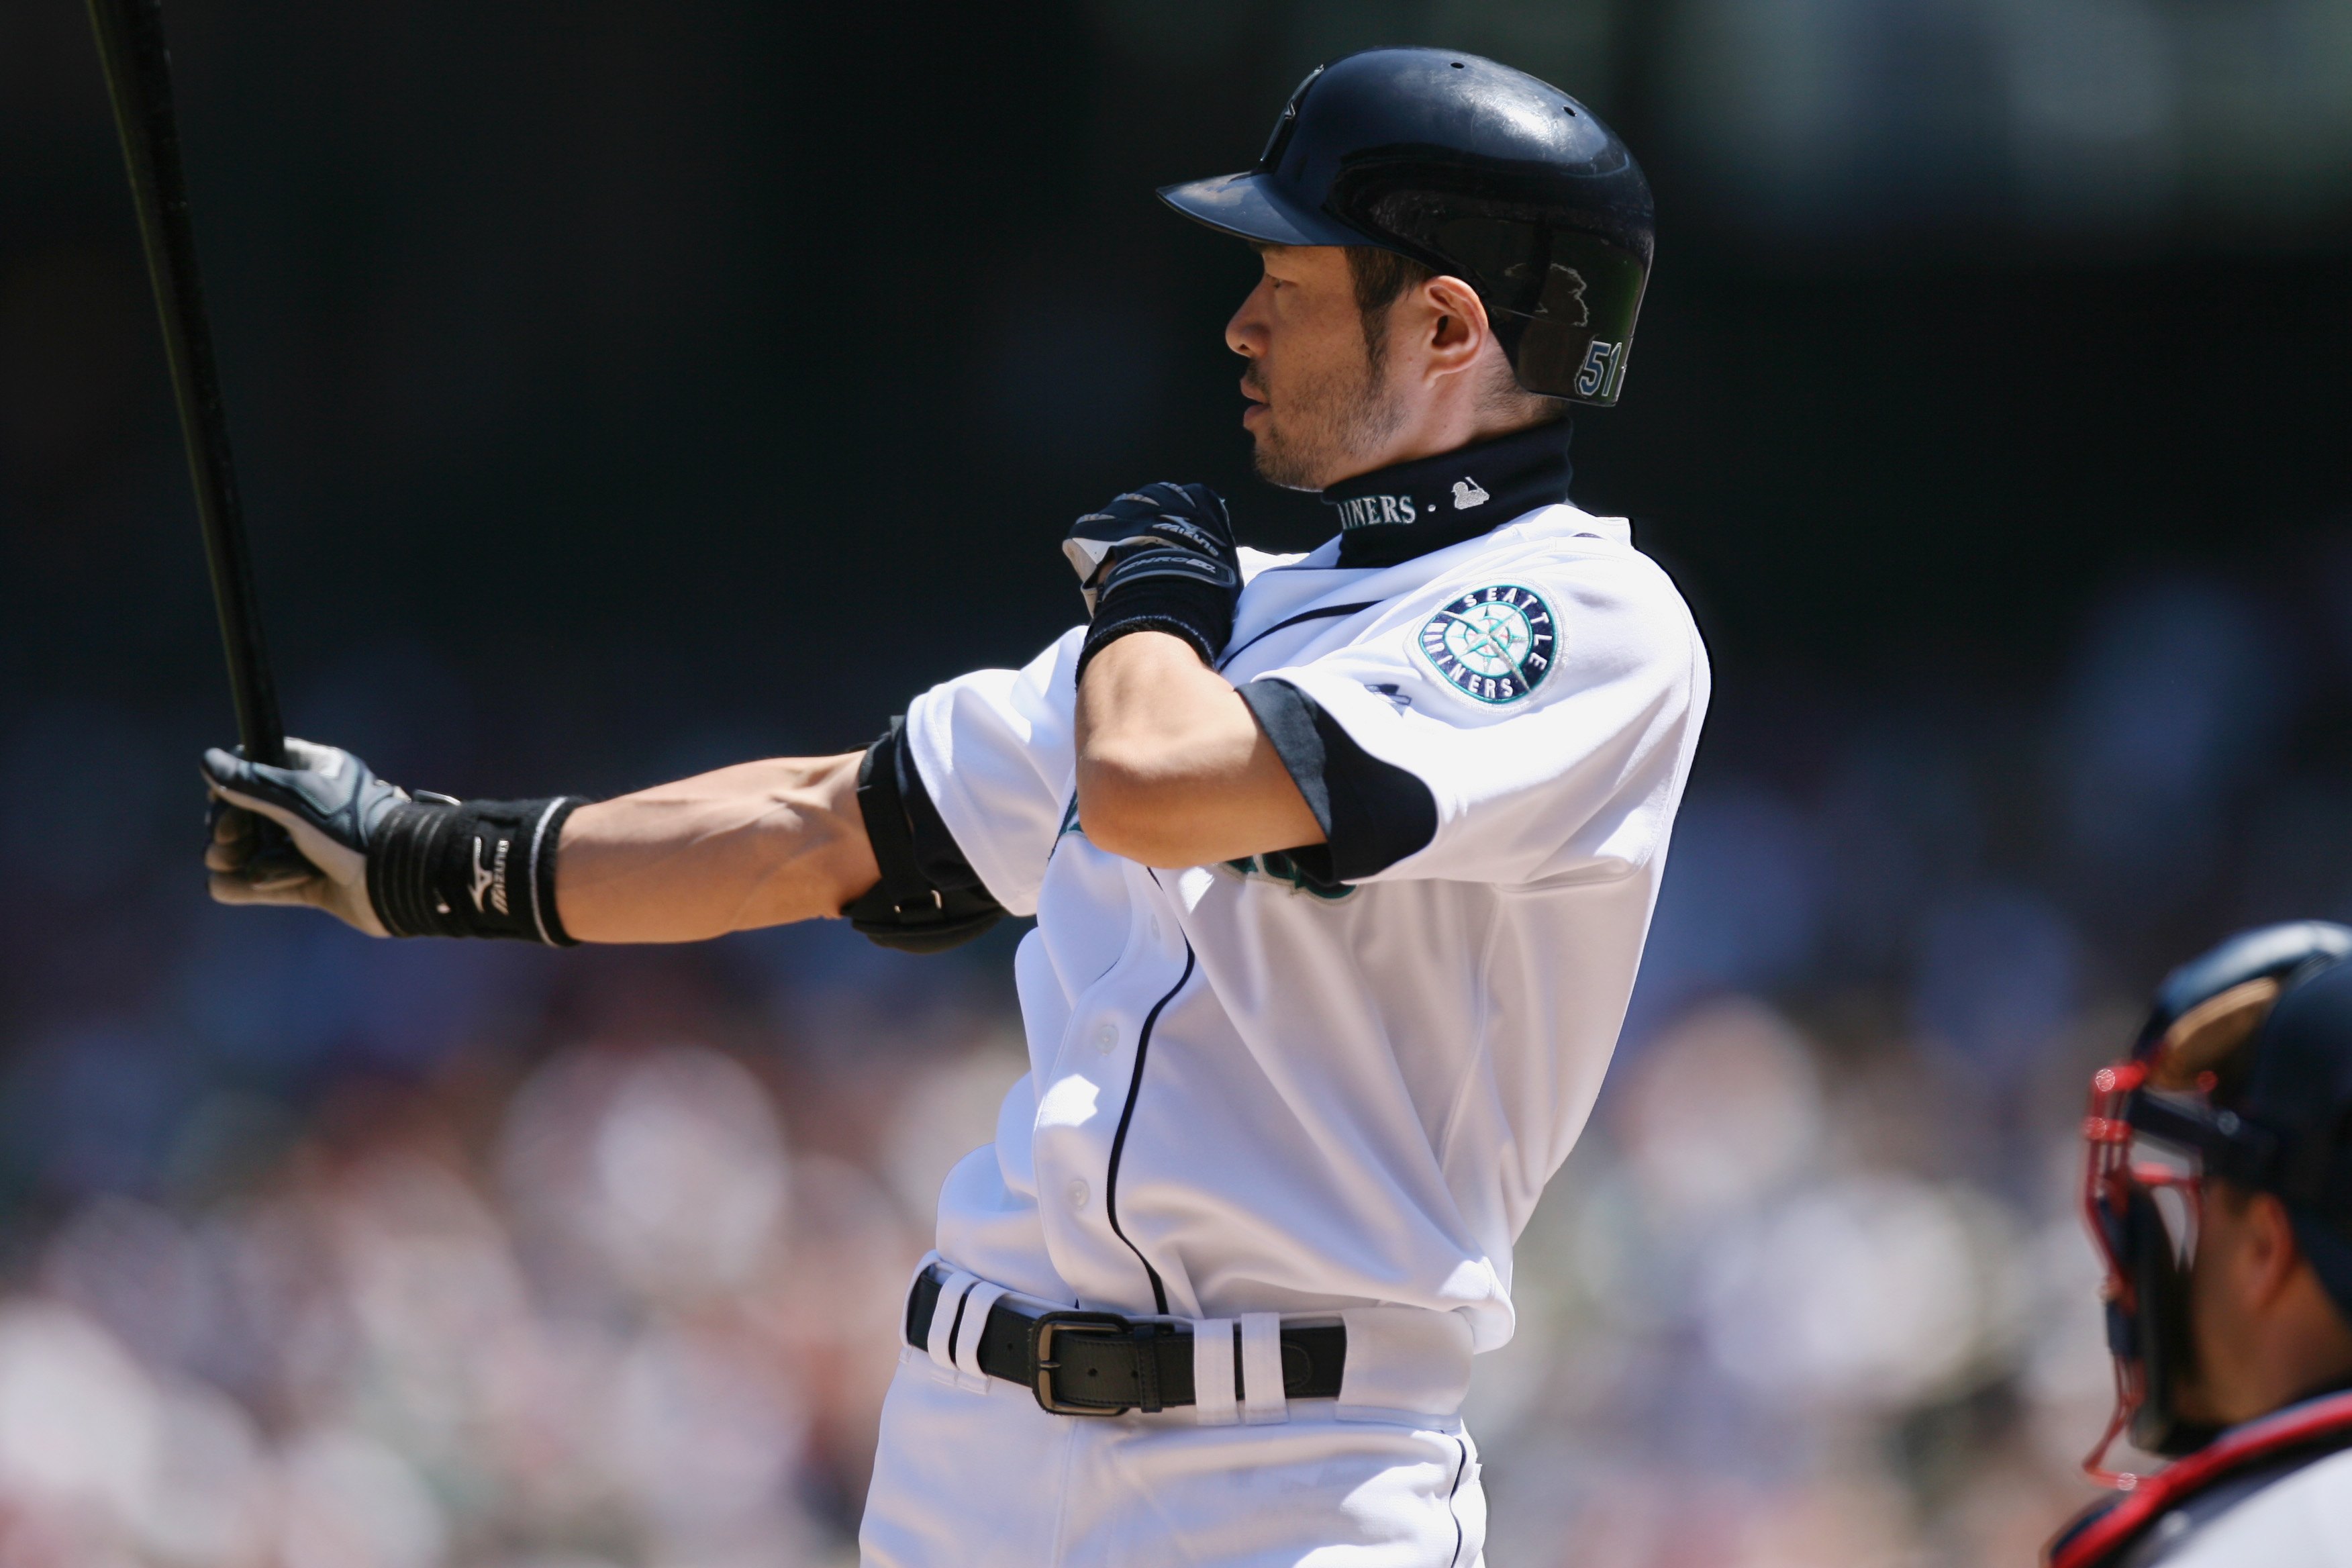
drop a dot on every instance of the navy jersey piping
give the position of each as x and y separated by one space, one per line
1126 1116
1332 613
1461 1469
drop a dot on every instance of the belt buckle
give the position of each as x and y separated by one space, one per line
1048 1327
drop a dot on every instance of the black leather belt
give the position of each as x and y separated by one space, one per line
1100 1363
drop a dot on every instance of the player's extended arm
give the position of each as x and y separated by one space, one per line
1173 768
756 844
760 843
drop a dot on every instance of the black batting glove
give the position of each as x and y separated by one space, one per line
377 859
1162 559
330 804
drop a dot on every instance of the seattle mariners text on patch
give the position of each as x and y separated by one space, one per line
1491 644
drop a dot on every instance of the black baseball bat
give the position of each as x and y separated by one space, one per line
139 79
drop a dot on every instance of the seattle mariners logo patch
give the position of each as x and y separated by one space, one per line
1491 644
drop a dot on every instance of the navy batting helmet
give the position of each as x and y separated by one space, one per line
1475 170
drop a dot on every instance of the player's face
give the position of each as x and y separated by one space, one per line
1320 407
2224 1277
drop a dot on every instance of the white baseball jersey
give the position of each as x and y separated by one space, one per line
1256 1087
2303 1519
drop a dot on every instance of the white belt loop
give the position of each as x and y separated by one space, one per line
1212 1372
1262 1401
974 1328
943 1317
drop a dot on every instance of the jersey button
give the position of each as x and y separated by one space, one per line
1155 928
1077 1195
1106 1036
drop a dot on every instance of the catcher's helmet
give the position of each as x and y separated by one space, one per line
2243 1071
1478 170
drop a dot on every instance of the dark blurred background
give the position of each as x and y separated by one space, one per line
621 389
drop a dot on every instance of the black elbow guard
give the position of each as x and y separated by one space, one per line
928 899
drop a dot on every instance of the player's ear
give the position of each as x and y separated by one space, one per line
1457 325
2267 1255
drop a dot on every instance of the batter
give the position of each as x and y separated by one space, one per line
1342 866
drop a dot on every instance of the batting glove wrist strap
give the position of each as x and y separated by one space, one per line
1161 558
479 867
1174 591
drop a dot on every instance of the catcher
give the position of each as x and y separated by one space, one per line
2219 1193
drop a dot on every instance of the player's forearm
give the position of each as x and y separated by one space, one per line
756 844
1172 769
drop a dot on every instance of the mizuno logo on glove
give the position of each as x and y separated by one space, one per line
492 878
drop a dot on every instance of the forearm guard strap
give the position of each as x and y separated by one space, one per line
477 867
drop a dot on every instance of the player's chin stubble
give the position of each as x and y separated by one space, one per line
1329 425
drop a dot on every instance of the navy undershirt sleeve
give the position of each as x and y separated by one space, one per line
1374 814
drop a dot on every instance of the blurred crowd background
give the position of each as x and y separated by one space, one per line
622 388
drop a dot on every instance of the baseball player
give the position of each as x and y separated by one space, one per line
1341 865
2219 1193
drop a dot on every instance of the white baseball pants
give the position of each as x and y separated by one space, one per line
972 1474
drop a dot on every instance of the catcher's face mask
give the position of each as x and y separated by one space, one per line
2157 1129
